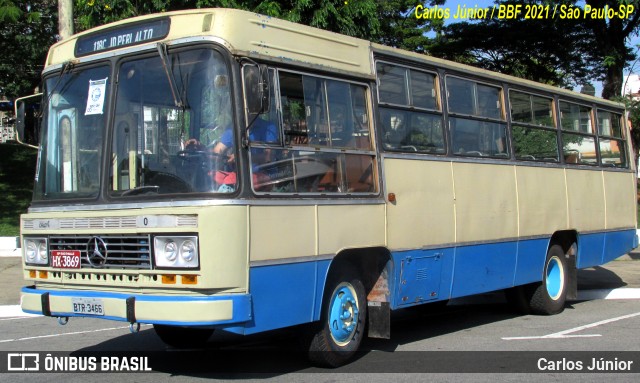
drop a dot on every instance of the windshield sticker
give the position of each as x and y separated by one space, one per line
95 101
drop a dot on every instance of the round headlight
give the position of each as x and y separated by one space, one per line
170 251
31 251
188 250
43 251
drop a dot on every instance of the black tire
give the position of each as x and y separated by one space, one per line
331 344
183 337
549 296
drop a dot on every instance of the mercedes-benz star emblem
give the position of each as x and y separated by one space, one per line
96 252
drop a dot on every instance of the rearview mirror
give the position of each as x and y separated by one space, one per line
256 89
27 119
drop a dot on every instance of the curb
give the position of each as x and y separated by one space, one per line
621 293
9 243
10 253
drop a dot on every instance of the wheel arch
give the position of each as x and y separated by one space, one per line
369 262
375 267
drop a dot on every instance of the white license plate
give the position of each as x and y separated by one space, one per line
89 306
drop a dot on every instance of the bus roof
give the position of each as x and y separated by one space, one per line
250 34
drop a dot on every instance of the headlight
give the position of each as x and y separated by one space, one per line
188 250
178 252
36 251
170 251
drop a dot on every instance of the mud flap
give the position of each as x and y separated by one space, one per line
572 286
379 314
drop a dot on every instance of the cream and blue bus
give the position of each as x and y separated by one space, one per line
220 170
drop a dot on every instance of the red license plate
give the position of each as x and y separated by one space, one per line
65 259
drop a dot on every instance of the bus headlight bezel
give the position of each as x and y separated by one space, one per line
36 251
180 252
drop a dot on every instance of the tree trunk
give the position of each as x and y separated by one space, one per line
65 18
612 85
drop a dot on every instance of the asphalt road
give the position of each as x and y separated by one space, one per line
479 334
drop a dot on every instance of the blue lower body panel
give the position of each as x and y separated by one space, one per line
599 248
289 294
285 295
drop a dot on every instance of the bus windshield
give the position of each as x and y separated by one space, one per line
172 128
72 133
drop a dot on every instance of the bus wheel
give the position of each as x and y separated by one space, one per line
183 337
547 297
343 320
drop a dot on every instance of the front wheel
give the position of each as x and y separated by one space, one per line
344 314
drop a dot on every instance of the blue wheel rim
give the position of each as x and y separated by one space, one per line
343 314
554 278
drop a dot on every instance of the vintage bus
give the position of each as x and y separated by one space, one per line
222 170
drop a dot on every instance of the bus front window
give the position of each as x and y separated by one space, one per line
73 129
171 113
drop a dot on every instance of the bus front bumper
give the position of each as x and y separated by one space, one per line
178 310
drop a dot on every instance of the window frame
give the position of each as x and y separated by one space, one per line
409 95
621 140
407 109
338 151
592 135
501 121
527 125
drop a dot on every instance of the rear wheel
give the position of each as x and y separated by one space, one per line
183 337
344 312
549 296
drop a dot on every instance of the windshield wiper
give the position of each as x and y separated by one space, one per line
66 68
142 190
177 98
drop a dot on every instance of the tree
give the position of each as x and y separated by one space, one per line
610 36
554 51
389 22
29 28
400 28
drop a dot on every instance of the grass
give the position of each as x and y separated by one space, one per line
17 171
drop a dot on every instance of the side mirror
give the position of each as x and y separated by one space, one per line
27 119
256 89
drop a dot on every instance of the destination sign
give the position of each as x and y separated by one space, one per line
124 36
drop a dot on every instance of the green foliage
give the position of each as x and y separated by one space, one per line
17 170
389 22
25 49
401 29
553 51
9 13
562 52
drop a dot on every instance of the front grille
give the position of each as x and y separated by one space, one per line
123 251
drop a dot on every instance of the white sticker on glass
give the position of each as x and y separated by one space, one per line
95 101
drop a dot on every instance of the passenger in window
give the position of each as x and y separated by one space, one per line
260 131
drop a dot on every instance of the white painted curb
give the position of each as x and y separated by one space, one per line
9 243
622 293
14 311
